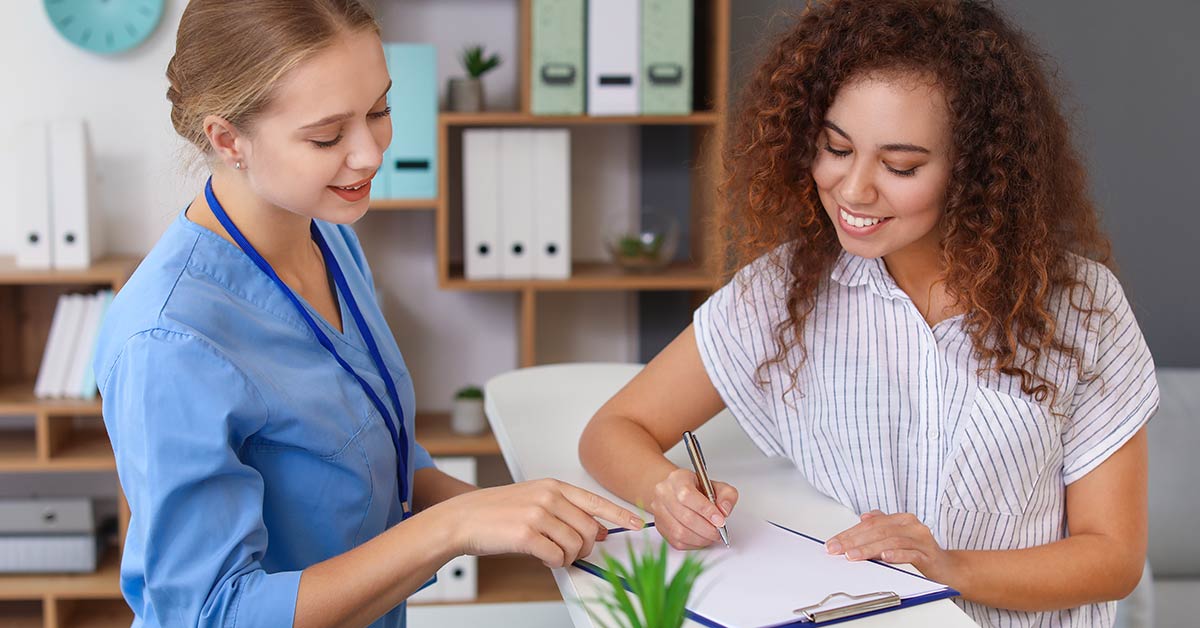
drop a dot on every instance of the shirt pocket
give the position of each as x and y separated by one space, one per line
1001 452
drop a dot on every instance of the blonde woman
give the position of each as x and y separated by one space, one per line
258 405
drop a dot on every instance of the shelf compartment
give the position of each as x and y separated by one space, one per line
511 578
593 276
103 584
435 435
517 118
107 613
18 447
21 613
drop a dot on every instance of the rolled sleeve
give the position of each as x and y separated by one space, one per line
178 413
1118 391
733 333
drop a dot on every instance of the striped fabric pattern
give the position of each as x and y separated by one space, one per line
887 413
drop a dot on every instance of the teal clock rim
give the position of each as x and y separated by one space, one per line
135 33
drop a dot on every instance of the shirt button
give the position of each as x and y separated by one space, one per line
934 433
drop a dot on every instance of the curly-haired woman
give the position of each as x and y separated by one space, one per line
922 320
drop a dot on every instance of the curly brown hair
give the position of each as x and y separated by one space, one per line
1017 205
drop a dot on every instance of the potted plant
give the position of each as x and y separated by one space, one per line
661 598
466 93
467 416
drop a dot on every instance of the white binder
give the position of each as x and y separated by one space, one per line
516 203
35 239
614 53
58 386
76 244
47 371
458 579
552 204
481 203
81 359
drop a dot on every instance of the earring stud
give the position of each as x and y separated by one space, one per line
237 166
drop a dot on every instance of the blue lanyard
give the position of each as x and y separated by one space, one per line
395 428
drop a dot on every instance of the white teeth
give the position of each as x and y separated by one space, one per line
357 187
859 222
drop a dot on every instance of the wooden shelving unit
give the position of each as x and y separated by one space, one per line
707 127
65 436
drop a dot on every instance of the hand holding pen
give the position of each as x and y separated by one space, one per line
684 514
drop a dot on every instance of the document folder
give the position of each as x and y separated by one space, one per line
614 48
557 77
412 160
772 576
667 57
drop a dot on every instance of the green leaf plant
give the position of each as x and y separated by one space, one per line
657 601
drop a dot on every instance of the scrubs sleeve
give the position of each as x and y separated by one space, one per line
178 413
421 458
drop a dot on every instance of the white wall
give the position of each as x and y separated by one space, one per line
448 338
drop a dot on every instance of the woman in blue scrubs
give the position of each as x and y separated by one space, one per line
259 408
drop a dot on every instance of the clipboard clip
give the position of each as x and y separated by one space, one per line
860 604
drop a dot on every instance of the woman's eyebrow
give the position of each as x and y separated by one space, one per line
338 117
894 148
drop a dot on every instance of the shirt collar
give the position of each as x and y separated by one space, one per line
851 270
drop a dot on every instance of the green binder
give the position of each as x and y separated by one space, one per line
558 76
666 57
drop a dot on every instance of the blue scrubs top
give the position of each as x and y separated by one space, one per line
245 451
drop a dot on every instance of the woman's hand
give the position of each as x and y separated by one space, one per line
899 539
683 514
548 519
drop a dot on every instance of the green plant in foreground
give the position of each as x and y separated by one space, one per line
474 62
660 603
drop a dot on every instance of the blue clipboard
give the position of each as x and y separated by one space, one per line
857 609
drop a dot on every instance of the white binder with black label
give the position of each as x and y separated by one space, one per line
614 54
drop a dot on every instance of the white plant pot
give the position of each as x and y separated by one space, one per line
467 417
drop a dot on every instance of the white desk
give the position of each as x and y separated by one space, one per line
538 414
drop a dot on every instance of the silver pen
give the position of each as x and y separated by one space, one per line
698 464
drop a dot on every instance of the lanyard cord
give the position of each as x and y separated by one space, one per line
395 429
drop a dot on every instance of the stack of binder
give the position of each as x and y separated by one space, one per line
516 203
55 226
66 369
409 169
638 57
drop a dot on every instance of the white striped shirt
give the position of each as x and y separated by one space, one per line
890 414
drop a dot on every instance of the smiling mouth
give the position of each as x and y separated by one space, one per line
351 188
860 221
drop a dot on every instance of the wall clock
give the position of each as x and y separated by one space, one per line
105 26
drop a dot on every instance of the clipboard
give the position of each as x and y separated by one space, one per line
800 608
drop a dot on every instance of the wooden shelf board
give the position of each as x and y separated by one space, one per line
18 398
21 614
434 434
106 271
98 614
404 204
512 578
516 118
595 276
104 584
